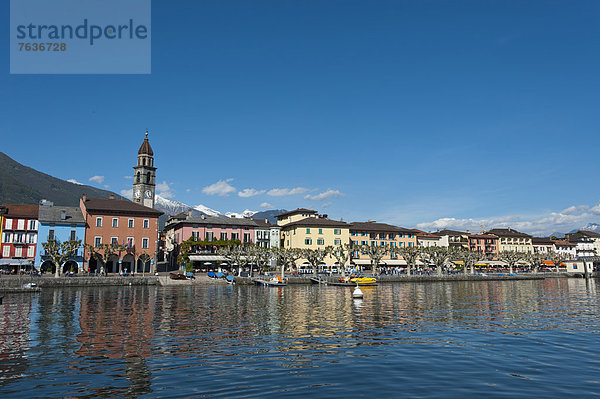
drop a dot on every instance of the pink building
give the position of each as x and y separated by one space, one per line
484 243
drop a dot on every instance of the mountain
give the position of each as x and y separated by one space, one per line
20 184
246 214
207 211
270 215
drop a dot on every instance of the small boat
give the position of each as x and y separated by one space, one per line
177 276
360 280
230 279
272 282
211 274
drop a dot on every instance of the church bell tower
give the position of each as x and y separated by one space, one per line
144 176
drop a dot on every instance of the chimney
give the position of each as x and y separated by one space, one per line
112 196
84 197
203 216
190 212
267 221
63 215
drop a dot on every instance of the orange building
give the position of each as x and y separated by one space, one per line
484 243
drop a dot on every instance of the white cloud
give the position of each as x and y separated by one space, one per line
127 193
74 182
187 190
250 192
571 218
266 205
324 195
326 204
128 177
97 179
106 186
221 188
280 192
164 190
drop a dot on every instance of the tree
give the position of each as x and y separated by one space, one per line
145 258
287 257
557 258
438 256
61 252
511 258
470 258
341 253
376 253
535 260
315 256
410 256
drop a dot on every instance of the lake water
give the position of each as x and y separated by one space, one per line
498 339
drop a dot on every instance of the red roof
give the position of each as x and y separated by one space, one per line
26 211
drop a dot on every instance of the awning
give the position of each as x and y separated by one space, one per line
394 262
207 258
16 262
361 262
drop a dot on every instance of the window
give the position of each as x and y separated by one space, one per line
18 252
6 238
115 222
97 242
223 236
114 240
130 242
130 223
6 251
320 231
320 241
209 236
50 235
30 252
145 243
99 222
31 238
73 235
20 238
146 223
308 241
337 241
246 237
8 224
32 225
308 230
235 236
337 231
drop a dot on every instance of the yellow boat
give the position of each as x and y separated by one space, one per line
364 280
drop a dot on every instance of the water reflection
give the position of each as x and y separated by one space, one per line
222 340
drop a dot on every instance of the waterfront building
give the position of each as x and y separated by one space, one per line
425 239
19 235
595 238
130 224
512 240
60 223
542 245
380 234
453 239
144 176
295 215
584 246
266 235
566 248
314 231
485 243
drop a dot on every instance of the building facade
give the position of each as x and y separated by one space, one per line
512 240
542 245
120 222
379 235
144 176
487 244
60 223
19 235
453 239
267 235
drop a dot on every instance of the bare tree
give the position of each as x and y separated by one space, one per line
341 253
315 256
287 257
410 256
438 256
470 258
376 253
61 252
557 258
235 255
511 258
535 260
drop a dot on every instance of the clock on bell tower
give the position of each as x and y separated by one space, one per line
144 176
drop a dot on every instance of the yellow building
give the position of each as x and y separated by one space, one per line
379 235
311 232
512 240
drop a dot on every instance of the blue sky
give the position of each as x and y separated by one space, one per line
429 113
